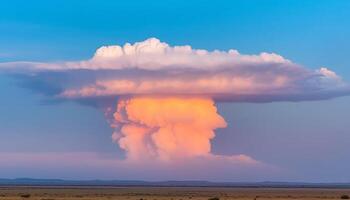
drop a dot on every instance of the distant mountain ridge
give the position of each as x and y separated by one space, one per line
116 183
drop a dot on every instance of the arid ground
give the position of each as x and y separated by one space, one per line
165 193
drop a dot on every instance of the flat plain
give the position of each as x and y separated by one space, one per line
165 193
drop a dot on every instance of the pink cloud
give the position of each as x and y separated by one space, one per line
89 165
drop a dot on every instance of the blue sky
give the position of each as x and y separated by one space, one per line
296 136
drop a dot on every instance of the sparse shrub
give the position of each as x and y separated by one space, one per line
25 195
214 198
345 196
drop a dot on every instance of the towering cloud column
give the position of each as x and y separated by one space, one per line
166 128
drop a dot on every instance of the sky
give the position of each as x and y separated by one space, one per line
270 140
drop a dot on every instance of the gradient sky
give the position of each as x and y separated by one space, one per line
308 140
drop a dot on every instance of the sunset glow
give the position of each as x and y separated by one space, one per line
229 90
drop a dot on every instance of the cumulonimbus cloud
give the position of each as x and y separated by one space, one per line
166 94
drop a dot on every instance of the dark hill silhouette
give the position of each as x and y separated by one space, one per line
116 183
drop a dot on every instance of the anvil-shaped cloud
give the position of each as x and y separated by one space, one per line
166 94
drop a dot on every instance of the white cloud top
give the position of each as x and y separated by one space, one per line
153 54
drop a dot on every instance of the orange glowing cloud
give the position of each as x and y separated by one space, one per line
166 128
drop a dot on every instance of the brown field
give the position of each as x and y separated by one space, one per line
165 193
